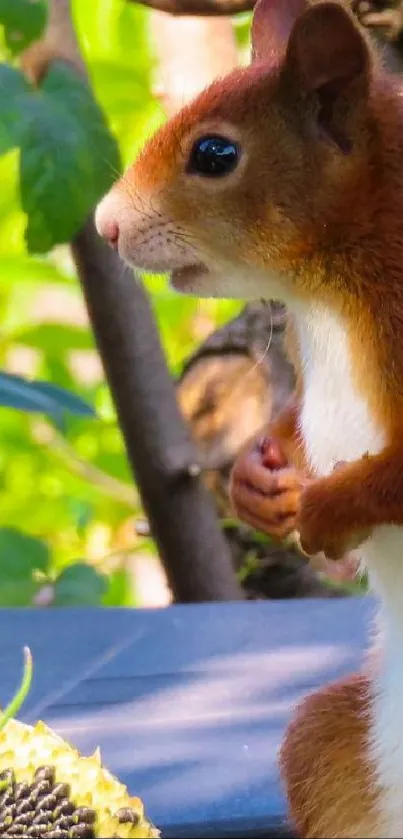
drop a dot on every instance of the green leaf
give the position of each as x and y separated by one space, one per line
20 556
23 21
15 593
229 523
55 338
79 585
82 512
20 553
68 158
27 269
14 89
249 565
242 25
39 397
121 88
64 399
120 589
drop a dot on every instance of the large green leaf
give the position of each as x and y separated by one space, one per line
79 585
40 397
23 21
21 556
68 157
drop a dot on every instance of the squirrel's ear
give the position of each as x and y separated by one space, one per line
327 55
271 26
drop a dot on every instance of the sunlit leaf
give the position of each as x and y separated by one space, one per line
121 87
55 337
242 24
22 268
68 158
12 219
120 589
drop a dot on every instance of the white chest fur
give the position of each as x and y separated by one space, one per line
335 419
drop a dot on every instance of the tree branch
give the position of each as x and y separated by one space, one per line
207 8
163 458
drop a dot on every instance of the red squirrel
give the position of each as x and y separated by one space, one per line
285 180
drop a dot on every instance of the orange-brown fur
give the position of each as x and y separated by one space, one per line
363 273
326 776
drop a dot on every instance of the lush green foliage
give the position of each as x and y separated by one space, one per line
67 503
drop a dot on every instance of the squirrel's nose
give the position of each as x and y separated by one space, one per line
109 230
106 224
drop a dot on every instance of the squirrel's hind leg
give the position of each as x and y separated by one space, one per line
325 764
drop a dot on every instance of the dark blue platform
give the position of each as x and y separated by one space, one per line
188 703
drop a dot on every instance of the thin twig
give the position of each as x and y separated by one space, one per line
207 8
118 490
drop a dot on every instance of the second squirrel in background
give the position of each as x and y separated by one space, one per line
285 180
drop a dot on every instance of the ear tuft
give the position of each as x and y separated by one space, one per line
326 47
272 23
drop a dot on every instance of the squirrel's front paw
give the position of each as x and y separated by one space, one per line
265 491
321 528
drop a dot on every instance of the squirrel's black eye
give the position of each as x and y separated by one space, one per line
213 157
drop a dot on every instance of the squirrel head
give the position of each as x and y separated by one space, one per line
236 191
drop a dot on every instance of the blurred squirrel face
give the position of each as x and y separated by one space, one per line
233 194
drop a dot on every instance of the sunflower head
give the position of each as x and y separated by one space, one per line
49 791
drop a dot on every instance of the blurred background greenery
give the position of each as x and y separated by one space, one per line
68 508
